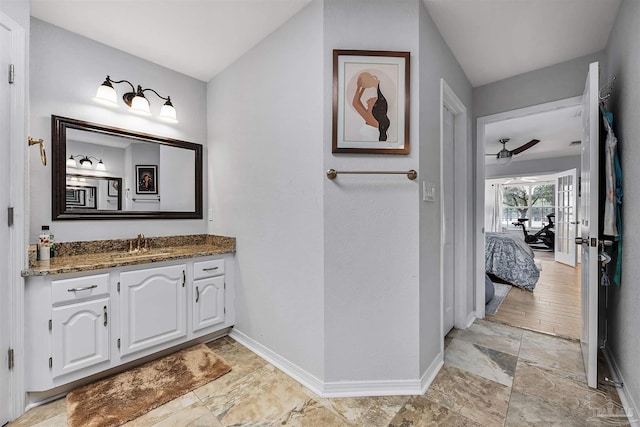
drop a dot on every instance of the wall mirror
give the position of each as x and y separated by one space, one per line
102 172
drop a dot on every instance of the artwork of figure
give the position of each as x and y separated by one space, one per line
374 113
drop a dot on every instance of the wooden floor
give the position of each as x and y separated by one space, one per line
554 305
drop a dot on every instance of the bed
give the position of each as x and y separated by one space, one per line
511 260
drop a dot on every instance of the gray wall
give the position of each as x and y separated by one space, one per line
623 62
65 72
533 167
371 221
265 143
553 83
436 61
337 277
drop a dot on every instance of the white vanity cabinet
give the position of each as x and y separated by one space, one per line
208 295
82 324
79 323
152 307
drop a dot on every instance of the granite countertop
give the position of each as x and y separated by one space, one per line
74 257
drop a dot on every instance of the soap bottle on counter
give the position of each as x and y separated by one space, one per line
51 246
44 244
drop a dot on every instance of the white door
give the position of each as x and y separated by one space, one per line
448 215
565 227
5 175
589 226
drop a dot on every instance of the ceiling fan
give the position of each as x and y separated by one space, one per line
504 156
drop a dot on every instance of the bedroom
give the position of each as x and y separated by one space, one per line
530 197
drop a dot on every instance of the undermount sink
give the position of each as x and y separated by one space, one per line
141 254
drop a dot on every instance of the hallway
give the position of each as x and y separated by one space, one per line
494 375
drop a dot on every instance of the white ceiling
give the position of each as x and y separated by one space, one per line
198 38
496 39
491 39
555 129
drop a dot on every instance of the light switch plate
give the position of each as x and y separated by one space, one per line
428 191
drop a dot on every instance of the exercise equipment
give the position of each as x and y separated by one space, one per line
544 236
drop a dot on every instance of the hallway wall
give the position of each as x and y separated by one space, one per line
623 63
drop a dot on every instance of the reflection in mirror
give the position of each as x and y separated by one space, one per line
89 192
101 172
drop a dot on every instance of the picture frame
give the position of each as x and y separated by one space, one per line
113 188
371 102
146 179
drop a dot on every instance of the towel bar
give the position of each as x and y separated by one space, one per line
411 174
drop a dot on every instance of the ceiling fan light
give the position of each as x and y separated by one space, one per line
505 160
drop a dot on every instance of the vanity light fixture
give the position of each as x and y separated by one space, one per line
135 100
85 162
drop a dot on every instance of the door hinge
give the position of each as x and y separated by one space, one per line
118 287
12 73
50 362
11 359
118 343
10 216
50 324
224 286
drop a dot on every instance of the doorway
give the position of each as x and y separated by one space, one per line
558 279
453 209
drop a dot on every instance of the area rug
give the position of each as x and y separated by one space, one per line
125 396
500 294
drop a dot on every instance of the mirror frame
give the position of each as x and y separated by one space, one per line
59 126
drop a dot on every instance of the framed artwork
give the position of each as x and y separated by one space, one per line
370 102
147 182
113 188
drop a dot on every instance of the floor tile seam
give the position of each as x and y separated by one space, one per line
573 413
456 411
491 348
478 375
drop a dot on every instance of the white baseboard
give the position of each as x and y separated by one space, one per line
340 388
630 407
291 369
431 372
470 319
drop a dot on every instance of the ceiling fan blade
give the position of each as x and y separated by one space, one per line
525 146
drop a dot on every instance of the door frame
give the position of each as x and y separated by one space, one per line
18 234
481 122
450 100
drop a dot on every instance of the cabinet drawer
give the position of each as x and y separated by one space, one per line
212 267
79 288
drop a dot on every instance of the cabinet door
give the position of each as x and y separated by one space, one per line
153 307
80 335
208 304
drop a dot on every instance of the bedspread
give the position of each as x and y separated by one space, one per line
510 259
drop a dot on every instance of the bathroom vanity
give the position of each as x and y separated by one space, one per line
90 312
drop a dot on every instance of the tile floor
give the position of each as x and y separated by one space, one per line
494 375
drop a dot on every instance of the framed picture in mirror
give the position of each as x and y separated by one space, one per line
147 179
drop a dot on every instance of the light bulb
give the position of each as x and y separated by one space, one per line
106 94
139 104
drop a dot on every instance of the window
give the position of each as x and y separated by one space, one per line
532 202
